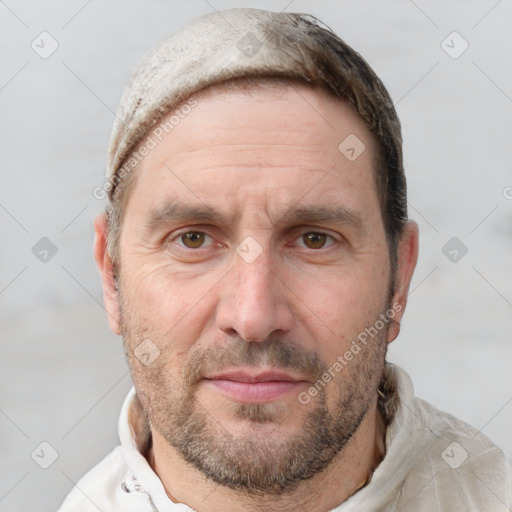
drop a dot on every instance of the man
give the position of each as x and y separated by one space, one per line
256 258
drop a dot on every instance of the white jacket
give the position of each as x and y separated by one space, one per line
434 462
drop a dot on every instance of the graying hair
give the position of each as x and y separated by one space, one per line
249 43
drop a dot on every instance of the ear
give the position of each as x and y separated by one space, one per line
407 253
106 268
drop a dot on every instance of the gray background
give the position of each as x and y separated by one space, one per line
62 373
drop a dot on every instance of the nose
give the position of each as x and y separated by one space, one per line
255 301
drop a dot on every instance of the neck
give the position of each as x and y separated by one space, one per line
350 471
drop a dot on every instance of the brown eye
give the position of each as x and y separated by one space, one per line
193 239
314 240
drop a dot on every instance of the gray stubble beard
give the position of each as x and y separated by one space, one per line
255 464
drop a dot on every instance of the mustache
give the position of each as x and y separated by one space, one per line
273 352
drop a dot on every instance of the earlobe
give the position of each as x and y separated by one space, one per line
407 259
106 268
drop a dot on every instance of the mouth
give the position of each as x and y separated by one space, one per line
254 387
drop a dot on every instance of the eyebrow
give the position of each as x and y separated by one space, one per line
173 211
338 214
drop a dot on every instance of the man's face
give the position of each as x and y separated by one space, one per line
253 254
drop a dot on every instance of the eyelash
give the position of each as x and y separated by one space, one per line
178 236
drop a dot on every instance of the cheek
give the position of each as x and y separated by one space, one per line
337 309
165 304
346 297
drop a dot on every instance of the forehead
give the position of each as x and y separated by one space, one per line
270 111
270 142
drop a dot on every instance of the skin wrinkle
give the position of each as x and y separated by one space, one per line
175 212
298 49
201 314
241 88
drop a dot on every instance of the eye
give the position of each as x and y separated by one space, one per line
193 239
315 240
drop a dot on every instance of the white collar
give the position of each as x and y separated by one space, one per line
134 436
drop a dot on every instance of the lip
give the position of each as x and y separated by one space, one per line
254 387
